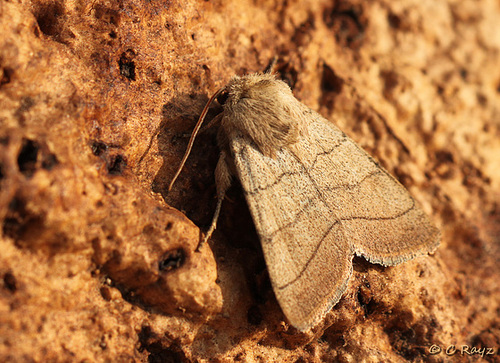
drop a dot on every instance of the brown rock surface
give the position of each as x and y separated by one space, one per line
95 101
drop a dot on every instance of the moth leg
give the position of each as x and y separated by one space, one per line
215 121
223 178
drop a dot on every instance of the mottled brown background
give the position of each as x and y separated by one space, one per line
97 261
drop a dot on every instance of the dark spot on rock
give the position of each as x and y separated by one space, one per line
303 34
27 158
20 223
10 282
127 65
107 15
98 148
330 82
116 256
5 75
106 293
103 344
394 21
172 260
444 156
49 161
482 99
169 226
36 30
346 22
116 165
25 105
48 16
111 188
331 85
391 81
15 204
158 348
148 229
146 334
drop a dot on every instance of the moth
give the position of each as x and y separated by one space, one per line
316 198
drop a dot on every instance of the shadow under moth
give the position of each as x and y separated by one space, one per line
316 198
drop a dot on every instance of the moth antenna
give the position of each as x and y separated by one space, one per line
193 135
271 68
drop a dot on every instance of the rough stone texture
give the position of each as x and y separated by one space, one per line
96 99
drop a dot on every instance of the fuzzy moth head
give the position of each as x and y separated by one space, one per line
259 107
263 109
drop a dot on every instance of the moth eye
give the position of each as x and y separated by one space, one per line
222 98
172 259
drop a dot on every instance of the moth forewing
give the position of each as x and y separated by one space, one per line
318 203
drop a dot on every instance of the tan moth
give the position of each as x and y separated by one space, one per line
316 198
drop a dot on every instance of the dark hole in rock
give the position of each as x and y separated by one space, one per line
116 165
10 282
347 24
172 260
48 17
127 69
158 351
330 82
394 21
27 157
6 75
127 65
98 148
